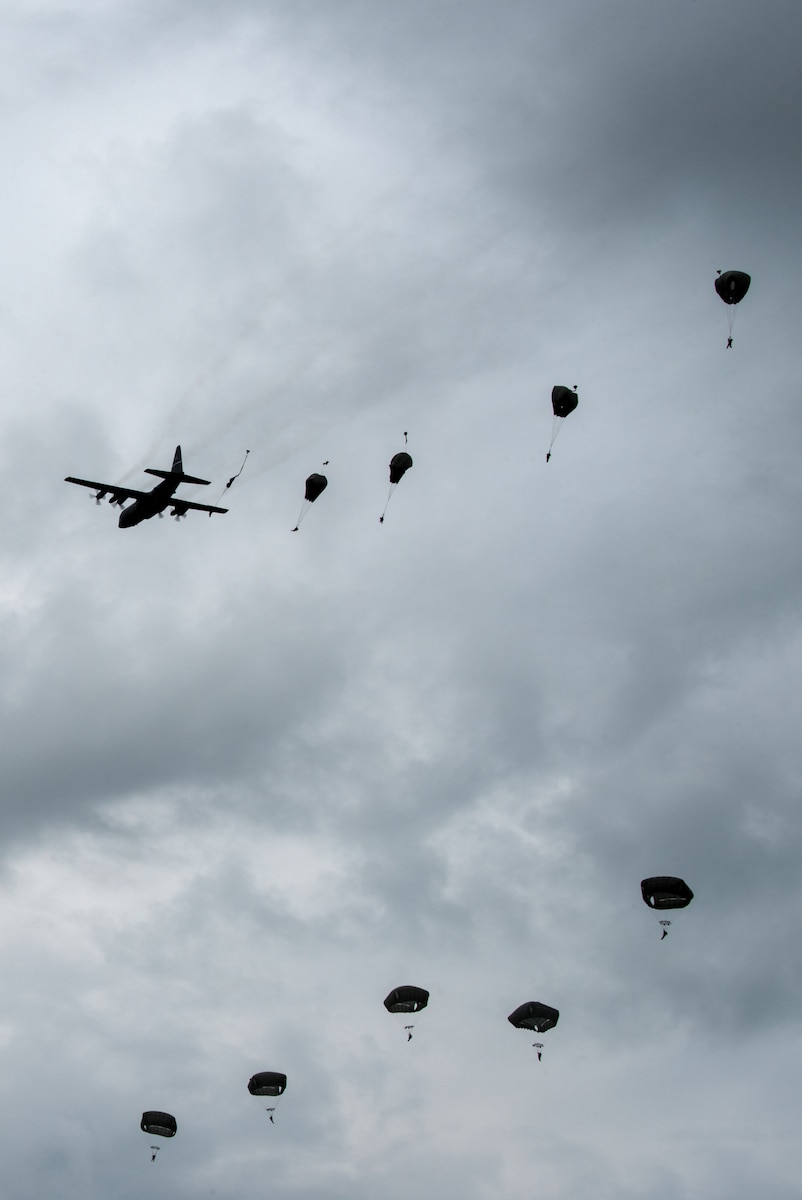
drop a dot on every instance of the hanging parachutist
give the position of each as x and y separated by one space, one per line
539 1047
270 1112
154 1151
409 1029
233 477
314 487
729 343
405 437
239 472
548 455
381 519
665 925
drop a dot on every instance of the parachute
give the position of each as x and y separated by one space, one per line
161 1124
315 484
399 465
537 1017
233 478
665 891
732 286
563 403
406 999
268 1083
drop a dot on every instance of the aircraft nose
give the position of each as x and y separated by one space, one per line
126 517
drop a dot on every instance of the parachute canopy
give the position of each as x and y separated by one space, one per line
563 401
732 286
267 1083
399 465
315 484
666 891
406 999
161 1123
534 1015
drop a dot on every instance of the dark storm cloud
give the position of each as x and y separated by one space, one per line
254 779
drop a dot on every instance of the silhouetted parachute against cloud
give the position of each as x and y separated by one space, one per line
732 286
537 1017
665 891
268 1083
405 1000
160 1123
399 465
315 484
563 403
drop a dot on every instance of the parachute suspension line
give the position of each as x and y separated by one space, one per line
304 510
556 425
665 925
393 486
315 486
233 477
732 312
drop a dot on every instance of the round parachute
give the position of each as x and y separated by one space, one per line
666 891
535 1016
563 403
732 286
315 484
406 999
161 1123
267 1083
399 465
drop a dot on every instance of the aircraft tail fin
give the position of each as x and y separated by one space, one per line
177 472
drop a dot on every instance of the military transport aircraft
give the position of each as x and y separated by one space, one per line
147 504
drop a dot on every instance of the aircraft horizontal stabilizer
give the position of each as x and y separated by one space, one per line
178 476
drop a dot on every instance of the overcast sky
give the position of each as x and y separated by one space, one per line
252 780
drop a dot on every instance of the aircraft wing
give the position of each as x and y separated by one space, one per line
115 493
178 508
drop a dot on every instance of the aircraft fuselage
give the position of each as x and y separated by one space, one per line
148 506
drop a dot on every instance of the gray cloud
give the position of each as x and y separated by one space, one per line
254 779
